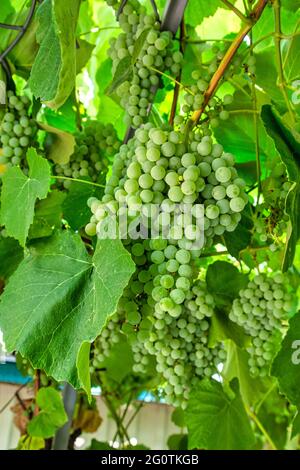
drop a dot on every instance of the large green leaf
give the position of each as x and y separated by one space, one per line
51 414
289 150
286 366
19 194
61 299
53 73
217 420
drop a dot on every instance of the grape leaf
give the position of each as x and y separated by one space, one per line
19 194
60 144
75 208
51 414
291 57
48 215
123 73
217 420
99 445
83 53
291 5
224 281
61 299
237 134
11 254
177 442
222 328
53 74
240 238
138 46
286 365
251 389
195 15
296 425
289 150
120 353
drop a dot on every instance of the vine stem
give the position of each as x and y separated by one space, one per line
172 79
277 40
224 64
78 180
14 27
178 78
256 133
22 31
37 385
236 11
261 428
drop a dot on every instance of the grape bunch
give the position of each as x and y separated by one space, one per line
95 144
155 56
158 167
164 298
177 341
17 131
271 219
260 310
194 98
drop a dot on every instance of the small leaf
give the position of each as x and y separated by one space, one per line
51 416
122 74
19 194
61 299
224 282
217 421
138 46
178 417
30 443
61 144
286 365
177 442
98 445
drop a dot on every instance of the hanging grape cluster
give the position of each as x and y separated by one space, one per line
260 310
95 144
165 299
156 56
17 131
270 221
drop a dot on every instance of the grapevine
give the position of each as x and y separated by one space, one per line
149 224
